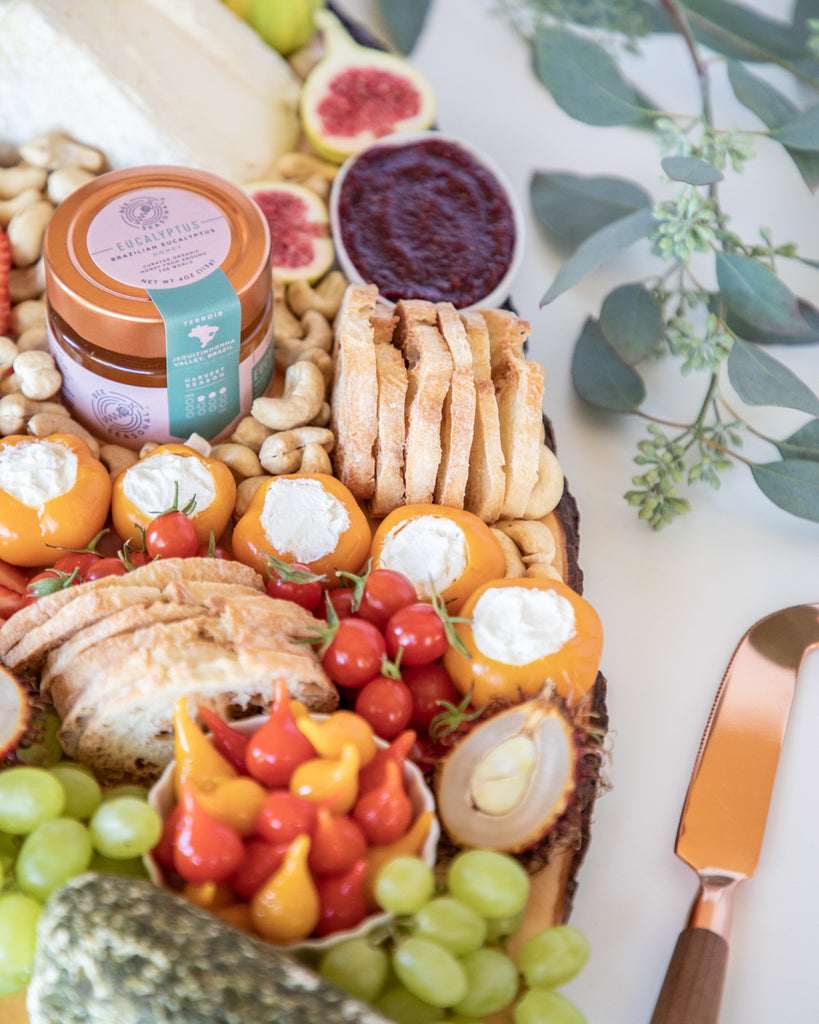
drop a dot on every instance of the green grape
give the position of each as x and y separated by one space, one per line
54 852
18 924
358 966
28 797
46 750
404 885
553 956
451 924
493 884
492 981
502 927
125 827
9 848
404 1008
140 792
131 867
541 1006
82 791
429 972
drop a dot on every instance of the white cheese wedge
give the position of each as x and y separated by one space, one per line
148 82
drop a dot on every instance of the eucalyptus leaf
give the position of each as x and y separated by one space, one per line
599 248
810 336
404 20
802 132
601 377
570 207
792 484
631 321
692 170
759 379
773 109
733 30
583 79
755 293
803 444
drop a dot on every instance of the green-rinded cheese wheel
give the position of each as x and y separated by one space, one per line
115 950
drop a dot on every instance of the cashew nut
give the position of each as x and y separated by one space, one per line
199 444
323 360
315 459
27 282
315 333
26 229
325 296
532 538
322 419
548 488
38 374
33 338
245 490
56 149
511 555
8 207
282 453
303 165
543 570
43 423
14 180
30 313
8 353
285 325
16 409
65 180
300 401
240 460
251 433
116 458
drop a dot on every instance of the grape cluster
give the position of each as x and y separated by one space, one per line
447 958
55 823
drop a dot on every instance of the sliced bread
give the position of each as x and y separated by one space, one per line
458 419
392 396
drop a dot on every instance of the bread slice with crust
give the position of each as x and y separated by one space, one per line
29 633
429 373
353 406
519 385
486 482
458 420
391 373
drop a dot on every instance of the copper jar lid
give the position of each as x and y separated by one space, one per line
116 313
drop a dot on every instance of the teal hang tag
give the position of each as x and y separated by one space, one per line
203 324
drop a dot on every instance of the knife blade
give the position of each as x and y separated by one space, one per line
726 807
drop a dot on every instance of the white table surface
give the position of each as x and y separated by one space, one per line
675 603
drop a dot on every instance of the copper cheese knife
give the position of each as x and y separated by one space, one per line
723 818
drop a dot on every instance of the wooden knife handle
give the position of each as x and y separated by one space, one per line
692 988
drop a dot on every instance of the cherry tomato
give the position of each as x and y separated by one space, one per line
418 632
260 861
10 602
429 685
385 591
82 561
171 535
292 581
46 582
13 577
342 600
386 704
355 653
214 552
106 567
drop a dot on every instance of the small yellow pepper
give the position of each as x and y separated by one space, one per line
286 908
196 760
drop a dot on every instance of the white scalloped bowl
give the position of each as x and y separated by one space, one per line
161 798
416 140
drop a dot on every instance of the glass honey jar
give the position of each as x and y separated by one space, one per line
160 304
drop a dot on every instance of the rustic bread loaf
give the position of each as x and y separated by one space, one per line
390 443
354 406
458 419
519 385
429 373
486 482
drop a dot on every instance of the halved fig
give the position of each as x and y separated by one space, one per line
356 94
510 779
299 229
15 712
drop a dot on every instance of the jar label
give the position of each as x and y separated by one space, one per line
172 242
